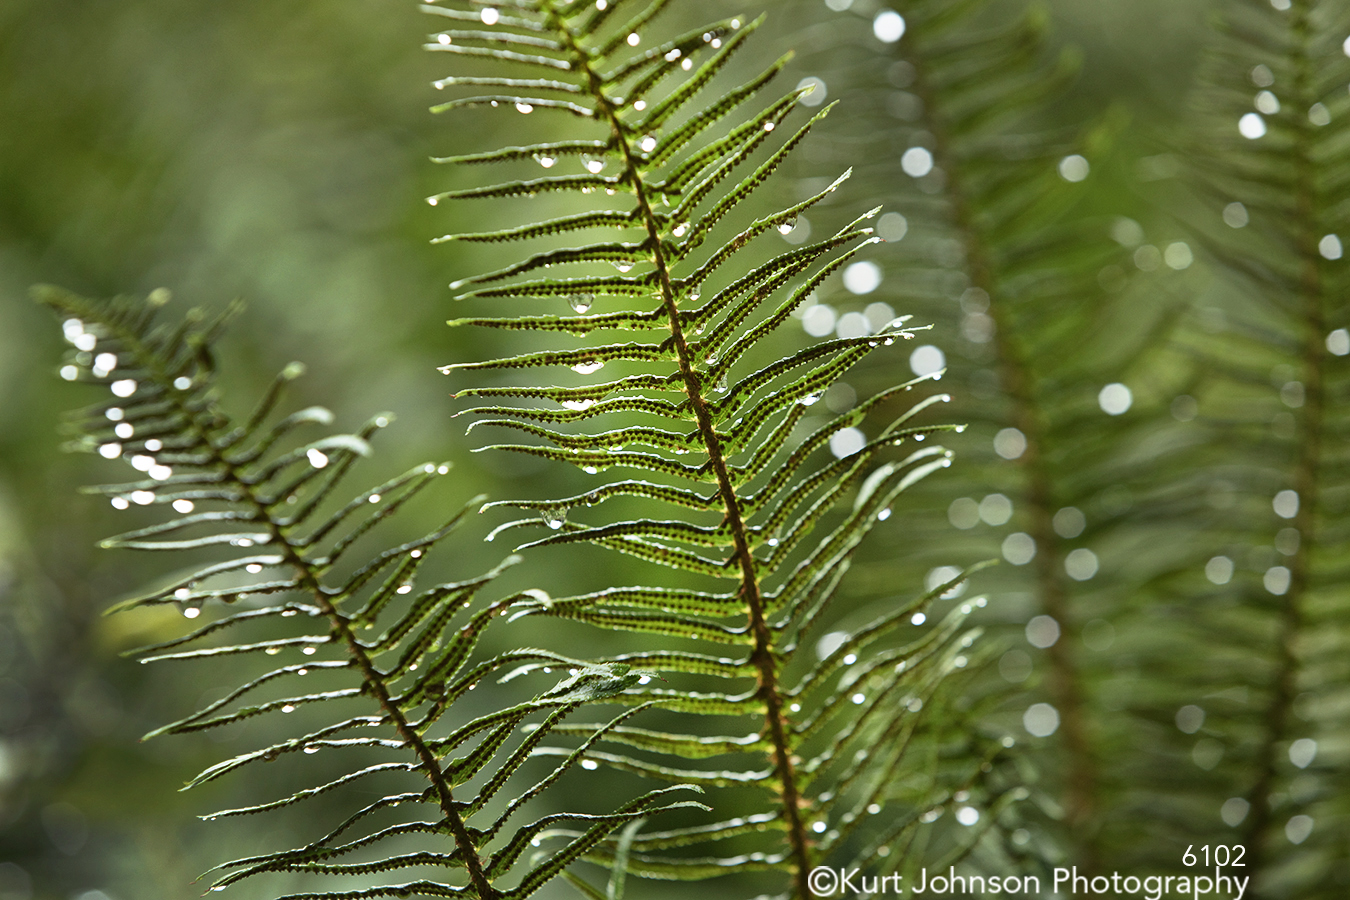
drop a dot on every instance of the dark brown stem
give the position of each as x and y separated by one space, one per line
1018 382
761 656
205 426
1257 836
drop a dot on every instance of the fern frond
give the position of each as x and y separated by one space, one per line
267 493
1270 182
715 409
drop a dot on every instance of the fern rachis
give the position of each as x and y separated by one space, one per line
764 497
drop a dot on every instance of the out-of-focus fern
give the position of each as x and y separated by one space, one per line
246 488
1271 166
1024 292
718 421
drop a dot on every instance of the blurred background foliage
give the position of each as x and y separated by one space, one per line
277 152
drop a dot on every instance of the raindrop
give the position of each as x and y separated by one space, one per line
1190 718
580 302
995 509
545 161
927 360
586 367
1042 632
1081 564
1298 828
1219 569
1019 548
888 26
317 459
489 16
1074 168
183 506
622 265
1233 811
1235 215
916 162
1041 720
524 108
124 388
1115 399
110 451
785 228
554 519
1010 443
1252 126
1302 752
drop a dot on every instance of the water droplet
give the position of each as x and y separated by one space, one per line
593 164
545 161
589 470
524 108
680 229
588 366
721 386
622 265
272 651
311 749
785 228
288 708
554 519
580 302
809 399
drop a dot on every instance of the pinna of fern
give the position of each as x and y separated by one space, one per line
718 422
290 552
1271 185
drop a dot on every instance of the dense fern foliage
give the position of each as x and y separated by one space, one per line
753 507
246 488
1051 345
689 311
1272 178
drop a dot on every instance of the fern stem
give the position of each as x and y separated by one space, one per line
1305 481
205 428
762 655
1018 383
